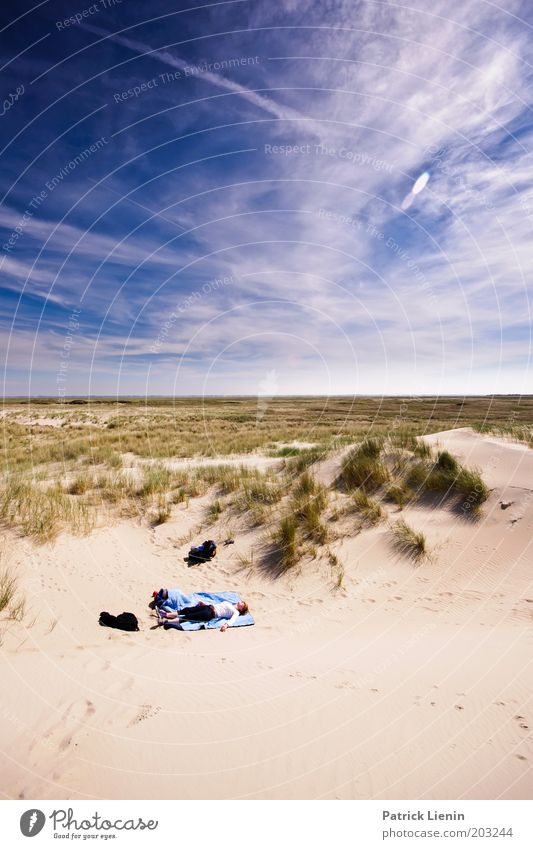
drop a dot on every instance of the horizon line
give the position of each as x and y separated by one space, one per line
64 399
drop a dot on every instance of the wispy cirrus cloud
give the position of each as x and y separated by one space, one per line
330 277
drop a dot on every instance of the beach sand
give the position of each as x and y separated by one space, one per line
408 682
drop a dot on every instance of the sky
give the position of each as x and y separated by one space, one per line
265 198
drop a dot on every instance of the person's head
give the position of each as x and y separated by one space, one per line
242 607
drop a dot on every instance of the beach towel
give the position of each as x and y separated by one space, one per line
178 600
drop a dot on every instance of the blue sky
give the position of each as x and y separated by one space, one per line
255 197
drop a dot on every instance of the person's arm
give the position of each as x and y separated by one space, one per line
230 622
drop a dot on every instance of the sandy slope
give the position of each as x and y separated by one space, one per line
410 682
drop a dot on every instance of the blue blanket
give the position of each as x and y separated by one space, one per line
178 600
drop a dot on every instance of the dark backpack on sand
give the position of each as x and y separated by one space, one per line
202 553
124 621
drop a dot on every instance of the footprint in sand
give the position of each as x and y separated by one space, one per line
145 712
76 715
96 665
65 743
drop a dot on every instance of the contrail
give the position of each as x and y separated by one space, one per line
265 103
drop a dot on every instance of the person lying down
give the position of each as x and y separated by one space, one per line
216 610
203 612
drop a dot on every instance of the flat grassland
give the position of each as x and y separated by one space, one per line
60 461
188 427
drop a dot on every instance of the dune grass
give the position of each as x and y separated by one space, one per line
284 544
305 486
363 468
368 508
447 463
309 515
261 489
8 589
41 513
162 511
446 475
95 438
12 603
215 510
470 484
308 502
285 451
398 492
156 479
408 541
511 429
82 483
306 458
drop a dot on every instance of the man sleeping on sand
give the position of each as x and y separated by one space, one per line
200 610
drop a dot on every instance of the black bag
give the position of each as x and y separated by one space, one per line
203 552
124 621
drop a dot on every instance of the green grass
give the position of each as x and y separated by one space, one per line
258 492
449 477
408 541
156 479
17 610
305 458
399 493
447 463
369 509
163 511
363 468
215 510
405 439
163 428
12 604
472 488
371 447
113 487
305 486
286 451
285 549
417 474
261 490
308 502
422 450
95 434
41 513
308 514
511 429
8 589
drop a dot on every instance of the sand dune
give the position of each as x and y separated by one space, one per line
411 682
